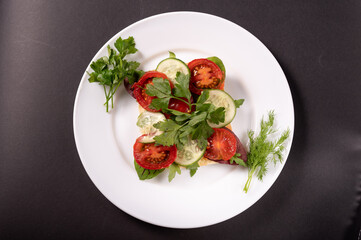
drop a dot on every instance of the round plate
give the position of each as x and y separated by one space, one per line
105 140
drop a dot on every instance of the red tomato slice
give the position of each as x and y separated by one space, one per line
222 145
205 74
179 105
150 156
140 87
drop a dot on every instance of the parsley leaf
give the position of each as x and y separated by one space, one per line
193 168
182 125
111 71
173 169
238 102
125 47
159 103
217 115
237 159
159 88
170 132
182 86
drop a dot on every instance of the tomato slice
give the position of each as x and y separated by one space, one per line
150 156
205 74
179 105
222 145
140 87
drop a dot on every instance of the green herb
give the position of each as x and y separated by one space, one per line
193 168
262 150
237 159
177 129
173 169
144 174
111 71
180 126
171 54
161 89
238 102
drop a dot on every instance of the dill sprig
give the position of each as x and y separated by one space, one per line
262 150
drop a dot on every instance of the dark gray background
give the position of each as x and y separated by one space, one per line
45 47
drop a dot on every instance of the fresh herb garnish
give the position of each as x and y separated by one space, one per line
262 150
193 168
238 102
237 159
161 89
173 169
180 126
111 71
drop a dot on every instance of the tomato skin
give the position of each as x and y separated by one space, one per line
205 74
222 145
179 105
150 156
240 149
139 89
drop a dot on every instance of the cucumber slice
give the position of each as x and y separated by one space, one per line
220 98
145 123
170 67
190 153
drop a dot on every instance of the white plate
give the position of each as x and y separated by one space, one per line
214 193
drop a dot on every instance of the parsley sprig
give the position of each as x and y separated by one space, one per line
180 126
262 150
111 71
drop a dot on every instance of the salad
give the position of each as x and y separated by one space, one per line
185 115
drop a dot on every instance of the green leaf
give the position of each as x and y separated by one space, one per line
217 115
197 118
167 125
144 174
238 102
125 47
182 86
173 169
203 97
170 132
181 118
171 54
93 77
159 103
99 65
193 168
202 132
160 88
204 107
178 113
237 159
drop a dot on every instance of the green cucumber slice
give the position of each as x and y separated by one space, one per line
220 98
189 154
170 67
145 123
